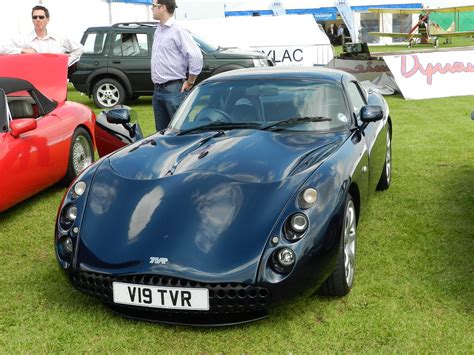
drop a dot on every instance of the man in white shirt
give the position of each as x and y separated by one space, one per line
41 41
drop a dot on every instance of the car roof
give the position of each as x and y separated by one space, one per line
126 26
10 85
278 72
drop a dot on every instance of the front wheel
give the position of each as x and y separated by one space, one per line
108 93
340 282
81 154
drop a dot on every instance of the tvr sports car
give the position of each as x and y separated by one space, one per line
43 137
252 195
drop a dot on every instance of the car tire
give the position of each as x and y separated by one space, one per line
340 282
108 93
386 177
81 154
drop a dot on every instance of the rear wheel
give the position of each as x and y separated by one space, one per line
108 93
386 177
81 154
340 282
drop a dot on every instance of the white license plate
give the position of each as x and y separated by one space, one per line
161 297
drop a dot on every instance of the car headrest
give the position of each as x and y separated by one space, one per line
21 109
244 112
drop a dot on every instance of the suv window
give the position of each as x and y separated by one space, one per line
130 44
95 43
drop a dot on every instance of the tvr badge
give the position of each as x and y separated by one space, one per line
158 260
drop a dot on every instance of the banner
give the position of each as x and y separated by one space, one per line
433 74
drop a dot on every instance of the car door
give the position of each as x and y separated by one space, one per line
131 54
28 162
93 60
374 137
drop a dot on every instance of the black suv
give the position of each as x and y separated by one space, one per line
115 65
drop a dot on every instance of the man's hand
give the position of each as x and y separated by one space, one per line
187 86
28 50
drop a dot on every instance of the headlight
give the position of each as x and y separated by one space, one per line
307 198
68 216
79 188
299 222
283 260
296 226
260 62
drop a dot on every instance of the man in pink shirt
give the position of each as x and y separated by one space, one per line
176 61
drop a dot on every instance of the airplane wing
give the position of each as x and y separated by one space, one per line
453 9
395 35
454 34
419 10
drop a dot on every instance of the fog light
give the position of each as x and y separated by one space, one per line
286 257
299 222
283 260
79 188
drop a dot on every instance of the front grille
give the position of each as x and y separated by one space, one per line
223 297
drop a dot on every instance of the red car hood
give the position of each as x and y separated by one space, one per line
51 80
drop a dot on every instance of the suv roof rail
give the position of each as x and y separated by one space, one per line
135 24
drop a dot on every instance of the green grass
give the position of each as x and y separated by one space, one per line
456 42
414 285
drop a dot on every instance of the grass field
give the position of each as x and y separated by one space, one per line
414 284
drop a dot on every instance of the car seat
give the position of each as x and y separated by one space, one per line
21 109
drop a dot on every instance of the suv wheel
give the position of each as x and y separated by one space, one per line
108 93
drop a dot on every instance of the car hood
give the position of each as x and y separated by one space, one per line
51 80
238 53
252 156
208 215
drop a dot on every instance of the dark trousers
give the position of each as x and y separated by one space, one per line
166 100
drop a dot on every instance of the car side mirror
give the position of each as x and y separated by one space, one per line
371 113
118 115
22 125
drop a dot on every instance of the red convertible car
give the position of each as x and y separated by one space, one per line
43 138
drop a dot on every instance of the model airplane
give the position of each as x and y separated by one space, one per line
424 31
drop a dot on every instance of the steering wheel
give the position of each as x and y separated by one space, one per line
212 115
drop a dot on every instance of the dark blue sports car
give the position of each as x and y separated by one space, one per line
250 196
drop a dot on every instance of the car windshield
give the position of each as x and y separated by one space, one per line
205 46
296 104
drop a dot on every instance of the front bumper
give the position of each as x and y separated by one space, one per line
230 303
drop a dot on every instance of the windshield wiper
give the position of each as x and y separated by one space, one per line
295 120
220 125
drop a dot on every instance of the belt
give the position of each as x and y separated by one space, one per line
166 83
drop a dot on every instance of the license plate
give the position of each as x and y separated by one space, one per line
161 297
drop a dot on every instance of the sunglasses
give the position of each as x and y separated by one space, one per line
157 5
38 17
